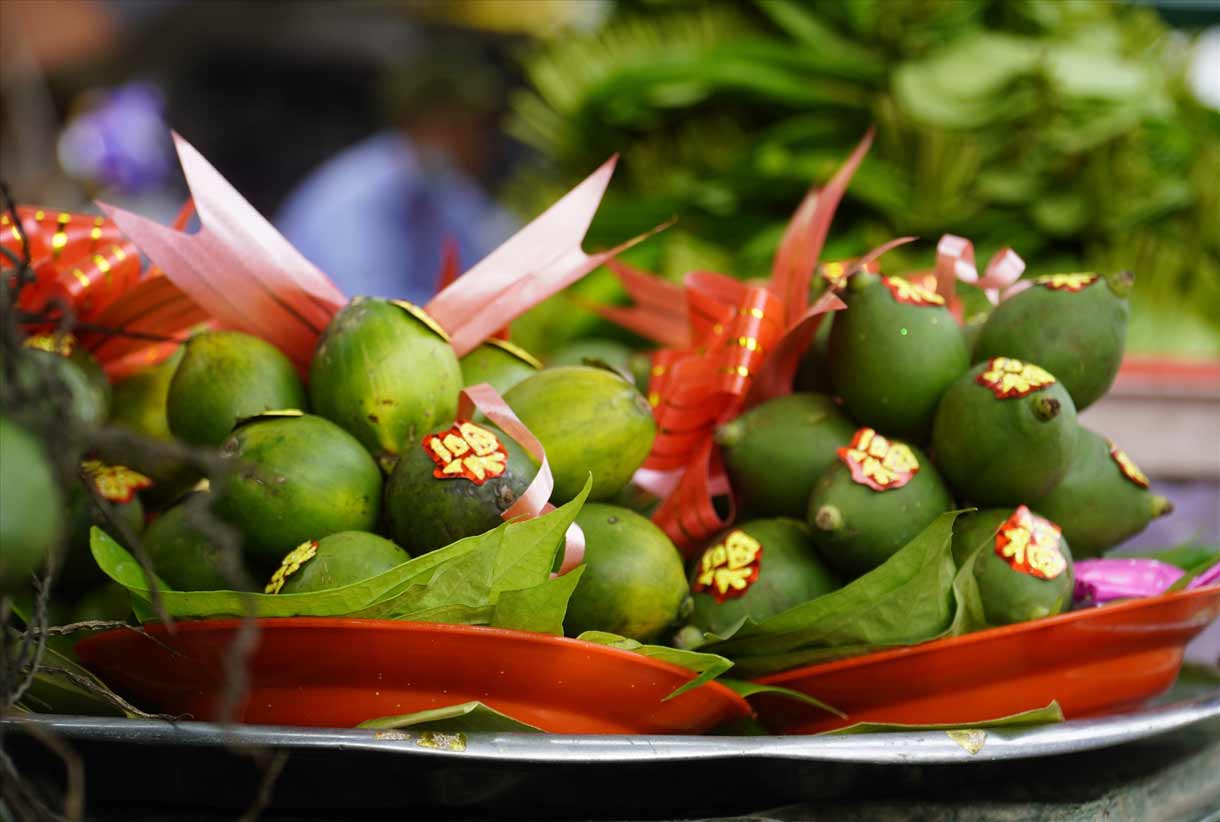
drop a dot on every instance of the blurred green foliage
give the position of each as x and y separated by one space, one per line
1062 129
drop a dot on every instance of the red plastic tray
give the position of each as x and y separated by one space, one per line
1095 661
332 672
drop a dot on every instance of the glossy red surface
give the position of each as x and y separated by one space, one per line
1101 660
339 672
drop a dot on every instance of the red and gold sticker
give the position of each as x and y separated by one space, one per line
1031 544
835 272
1066 282
1127 465
292 563
61 344
728 568
116 483
1008 378
877 462
466 450
912 293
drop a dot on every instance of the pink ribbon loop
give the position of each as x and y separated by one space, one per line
533 502
955 262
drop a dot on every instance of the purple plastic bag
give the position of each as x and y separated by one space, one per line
1103 580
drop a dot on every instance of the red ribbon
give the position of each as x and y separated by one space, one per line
449 273
79 260
83 262
658 311
533 501
731 345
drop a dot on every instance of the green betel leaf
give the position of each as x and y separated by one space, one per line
746 689
513 557
529 549
708 666
906 600
63 686
454 614
1191 573
464 580
968 603
468 717
118 563
122 567
540 608
1037 716
460 583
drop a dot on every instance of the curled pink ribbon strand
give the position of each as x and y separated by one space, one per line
955 261
1206 579
533 502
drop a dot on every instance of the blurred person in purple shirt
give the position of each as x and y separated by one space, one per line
376 217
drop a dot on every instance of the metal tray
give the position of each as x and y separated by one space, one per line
523 775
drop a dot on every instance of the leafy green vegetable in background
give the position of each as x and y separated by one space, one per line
1062 129
499 578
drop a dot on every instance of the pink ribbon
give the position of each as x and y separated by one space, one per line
537 262
1206 579
238 268
955 261
533 502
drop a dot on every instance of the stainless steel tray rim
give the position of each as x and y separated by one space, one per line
889 748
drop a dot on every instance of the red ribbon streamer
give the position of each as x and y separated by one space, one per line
238 267
801 246
659 310
743 347
80 261
83 262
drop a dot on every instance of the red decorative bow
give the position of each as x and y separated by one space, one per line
743 344
80 262
127 317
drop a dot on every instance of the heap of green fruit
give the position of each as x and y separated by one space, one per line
341 471
356 465
918 420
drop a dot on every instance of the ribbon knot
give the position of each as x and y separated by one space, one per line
743 347
955 262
